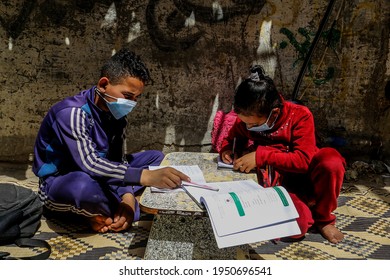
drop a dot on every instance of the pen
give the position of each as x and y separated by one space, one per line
234 148
196 185
266 177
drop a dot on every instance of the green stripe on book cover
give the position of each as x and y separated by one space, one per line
282 196
237 201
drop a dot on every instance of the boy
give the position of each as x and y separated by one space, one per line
79 150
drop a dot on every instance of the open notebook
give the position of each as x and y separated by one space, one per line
244 212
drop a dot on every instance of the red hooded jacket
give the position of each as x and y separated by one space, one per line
288 147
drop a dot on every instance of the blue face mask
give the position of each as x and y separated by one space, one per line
264 126
121 107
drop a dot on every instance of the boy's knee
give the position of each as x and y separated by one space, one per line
87 191
159 156
86 194
155 157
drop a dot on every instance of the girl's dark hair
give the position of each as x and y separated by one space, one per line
257 94
125 63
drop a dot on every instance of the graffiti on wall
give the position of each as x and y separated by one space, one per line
331 37
172 25
170 29
14 16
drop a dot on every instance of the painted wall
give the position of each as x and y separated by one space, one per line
197 51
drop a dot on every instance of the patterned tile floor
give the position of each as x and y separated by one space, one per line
363 216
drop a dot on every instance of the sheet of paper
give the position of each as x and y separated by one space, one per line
224 187
221 164
192 171
257 235
238 210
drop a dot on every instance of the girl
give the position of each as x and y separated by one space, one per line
284 152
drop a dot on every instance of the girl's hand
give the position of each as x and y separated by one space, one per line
245 163
226 157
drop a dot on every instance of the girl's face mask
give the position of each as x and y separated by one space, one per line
264 126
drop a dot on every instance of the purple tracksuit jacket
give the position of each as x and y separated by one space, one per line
77 135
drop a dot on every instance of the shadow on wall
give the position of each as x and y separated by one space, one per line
191 66
184 42
185 31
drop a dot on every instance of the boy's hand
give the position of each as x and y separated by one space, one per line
165 178
245 163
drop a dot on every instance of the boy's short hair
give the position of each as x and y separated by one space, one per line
125 63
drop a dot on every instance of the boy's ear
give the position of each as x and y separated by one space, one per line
102 83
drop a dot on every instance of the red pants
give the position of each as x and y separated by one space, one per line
315 193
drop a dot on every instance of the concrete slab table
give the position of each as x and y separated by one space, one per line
181 230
